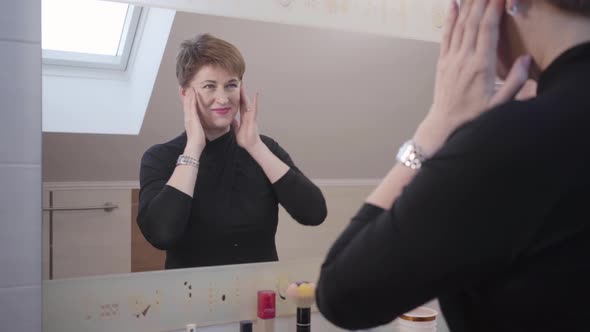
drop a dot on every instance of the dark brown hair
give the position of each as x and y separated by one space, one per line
204 50
575 6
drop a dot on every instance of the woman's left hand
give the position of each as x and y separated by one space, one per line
246 129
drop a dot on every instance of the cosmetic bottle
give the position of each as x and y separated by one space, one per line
246 326
266 311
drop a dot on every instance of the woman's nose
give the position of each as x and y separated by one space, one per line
222 99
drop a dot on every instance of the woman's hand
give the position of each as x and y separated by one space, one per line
247 129
466 71
195 134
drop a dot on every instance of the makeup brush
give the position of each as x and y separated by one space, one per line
302 294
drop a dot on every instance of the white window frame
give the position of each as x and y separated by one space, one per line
117 62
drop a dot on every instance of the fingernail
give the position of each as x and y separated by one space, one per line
526 64
527 60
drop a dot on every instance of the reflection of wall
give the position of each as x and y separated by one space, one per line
144 256
88 243
407 18
297 241
339 102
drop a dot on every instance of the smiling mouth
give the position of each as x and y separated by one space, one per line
221 111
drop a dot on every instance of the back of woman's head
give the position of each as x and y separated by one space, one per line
581 7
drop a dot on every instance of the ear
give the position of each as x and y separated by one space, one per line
181 92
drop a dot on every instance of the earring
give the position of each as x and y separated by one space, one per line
512 10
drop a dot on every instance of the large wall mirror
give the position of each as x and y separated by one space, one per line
339 102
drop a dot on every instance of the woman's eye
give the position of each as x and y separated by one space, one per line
232 85
209 86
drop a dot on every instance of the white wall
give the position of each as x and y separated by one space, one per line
20 166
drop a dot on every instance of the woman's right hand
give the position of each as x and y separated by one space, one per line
466 71
195 142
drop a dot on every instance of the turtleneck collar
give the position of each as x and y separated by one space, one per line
221 139
559 69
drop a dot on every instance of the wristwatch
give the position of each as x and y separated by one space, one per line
411 155
187 160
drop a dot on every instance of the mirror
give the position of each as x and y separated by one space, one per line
339 102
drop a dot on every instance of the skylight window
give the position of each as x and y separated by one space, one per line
88 33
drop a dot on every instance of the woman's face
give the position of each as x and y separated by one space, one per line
219 92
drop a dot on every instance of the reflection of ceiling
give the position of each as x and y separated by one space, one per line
339 102
415 19
74 98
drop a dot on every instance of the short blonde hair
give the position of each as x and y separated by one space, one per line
204 50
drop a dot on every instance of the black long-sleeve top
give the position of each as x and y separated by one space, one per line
233 215
496 224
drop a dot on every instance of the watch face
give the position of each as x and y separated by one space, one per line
404 151
409 155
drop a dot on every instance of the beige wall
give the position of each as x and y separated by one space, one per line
90 243
339 102
295 241
87 242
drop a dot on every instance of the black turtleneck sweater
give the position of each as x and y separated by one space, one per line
496 224
233 215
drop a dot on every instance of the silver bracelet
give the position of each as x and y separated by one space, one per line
187 160
411 155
